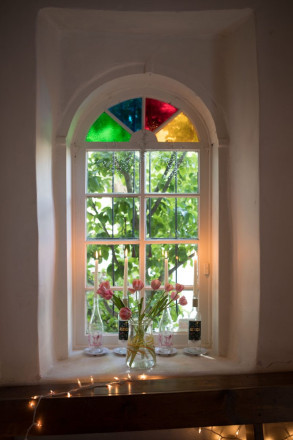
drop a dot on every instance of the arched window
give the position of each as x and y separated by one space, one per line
141 183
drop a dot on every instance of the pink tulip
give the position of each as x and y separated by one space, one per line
155 284
179 287
104 292
169 287
137 284
182 301
174 295
125 313
105 284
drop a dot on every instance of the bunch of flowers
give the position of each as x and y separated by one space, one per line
140 347
170 294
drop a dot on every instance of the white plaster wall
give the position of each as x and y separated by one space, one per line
216 61
19 229
275 37
239 98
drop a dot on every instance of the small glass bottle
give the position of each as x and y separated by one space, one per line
165 338
194 328
123 328
95 329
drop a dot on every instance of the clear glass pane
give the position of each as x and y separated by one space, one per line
161 171
179 129
157 112
111 263
129 112
105 129
109 171
99 171
180 269
160 218
187 172
180 262
187 217
111 268
172 217
126 176
112 217
172 171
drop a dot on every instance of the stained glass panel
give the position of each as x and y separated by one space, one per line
179 129
129 112
157 112
105 129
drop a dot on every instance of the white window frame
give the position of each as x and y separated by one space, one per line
142 141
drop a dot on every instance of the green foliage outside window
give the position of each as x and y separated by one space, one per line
118 217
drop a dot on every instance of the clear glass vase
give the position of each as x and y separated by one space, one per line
140 347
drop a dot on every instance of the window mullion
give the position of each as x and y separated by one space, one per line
142 221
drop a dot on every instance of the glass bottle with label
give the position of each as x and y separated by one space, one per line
95 329
165 338
123 328
194 329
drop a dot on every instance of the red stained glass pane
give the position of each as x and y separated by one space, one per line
157 112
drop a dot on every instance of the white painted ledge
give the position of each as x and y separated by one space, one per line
106 367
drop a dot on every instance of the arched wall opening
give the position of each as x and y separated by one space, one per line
235 243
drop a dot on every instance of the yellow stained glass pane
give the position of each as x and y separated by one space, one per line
180 129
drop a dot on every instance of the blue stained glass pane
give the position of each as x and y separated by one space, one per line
129 112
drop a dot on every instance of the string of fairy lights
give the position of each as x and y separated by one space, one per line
37 422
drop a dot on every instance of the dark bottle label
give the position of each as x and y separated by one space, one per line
123 330
194 331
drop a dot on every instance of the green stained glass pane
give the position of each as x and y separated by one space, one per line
179 129
105 129
112 217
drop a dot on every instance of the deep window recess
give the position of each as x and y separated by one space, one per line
138 186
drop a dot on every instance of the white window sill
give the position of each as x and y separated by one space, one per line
105 367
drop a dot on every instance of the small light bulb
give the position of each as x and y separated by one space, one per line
52 392
129 376
199 430
79 382
92 379
142 376
32 404
109 387
39 424
237 432
116 378
68 395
